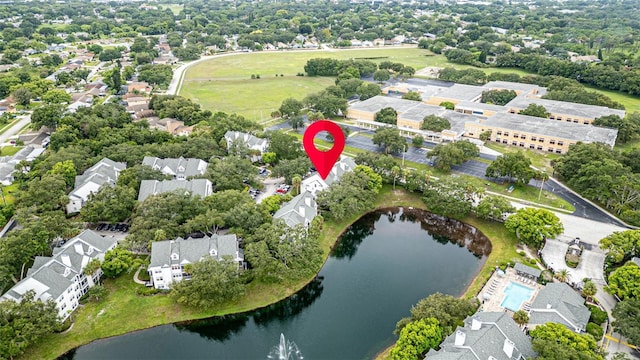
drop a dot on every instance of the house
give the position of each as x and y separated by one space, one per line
168 258
180 168
8 164
199 187
249 141
172 126
60 277
527 271
485 335
139 87
559 303
301 210
315 183
106 171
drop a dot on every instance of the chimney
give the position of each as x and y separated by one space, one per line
301 210
460 337
475 324
508 347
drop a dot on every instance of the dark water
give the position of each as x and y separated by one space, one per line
384 263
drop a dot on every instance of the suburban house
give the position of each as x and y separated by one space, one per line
172 126
200 187
559 303
8 163
315 183
485 335
301 210
139 88
106 171
180 168
249 141
168 258
60 277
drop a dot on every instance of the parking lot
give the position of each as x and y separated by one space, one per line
118 231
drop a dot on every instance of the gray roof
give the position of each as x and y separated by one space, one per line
475 106
200 187
105 171
378 103
192 250
527 270
301 210
418 112
565 108
553 128
248 139
47 275
495 329
506 85
345 165
8 163
636 260
457 120
461 92
185 167
559 303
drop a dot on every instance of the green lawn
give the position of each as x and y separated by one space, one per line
541 161
9 193
175 8
224 83
9 150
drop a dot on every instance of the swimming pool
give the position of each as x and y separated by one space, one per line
515 295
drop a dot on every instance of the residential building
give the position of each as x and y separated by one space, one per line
106 171
168 258
301 210
8 164
485 335
60 277
315 183
559 303
199 187
539 134
139 87
180 168
172 126
252 142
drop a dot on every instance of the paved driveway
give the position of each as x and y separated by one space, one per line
553 254
590 266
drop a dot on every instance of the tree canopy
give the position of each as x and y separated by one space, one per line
533 225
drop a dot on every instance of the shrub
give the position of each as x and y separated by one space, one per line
145 291
597 316
522 253
595 330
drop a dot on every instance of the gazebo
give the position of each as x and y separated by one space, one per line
528 271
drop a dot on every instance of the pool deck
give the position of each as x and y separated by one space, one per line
495 288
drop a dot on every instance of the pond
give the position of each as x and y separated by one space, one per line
383 264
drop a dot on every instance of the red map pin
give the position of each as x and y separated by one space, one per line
323 160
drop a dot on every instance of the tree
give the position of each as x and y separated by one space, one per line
453 153
416 338
514 165
498 97
116 262
532 226
387 115
285 146
555 341
22 95
47 115
494 208
91 267
412 95
589 290
97 292
160 75
435 123
451 197
111 203
417 140
347 197
66 169
627 319
290 107
381 76
368 90
624 282
450 311
390 139
232 173
448 105
109 55
269 157
212 283
291 168
24 323
626 127
621 245
535 110
521 317
296 122
56 96
562 275
375 180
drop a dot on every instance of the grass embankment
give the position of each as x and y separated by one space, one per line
224 83
10 150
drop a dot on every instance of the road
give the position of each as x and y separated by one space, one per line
13 130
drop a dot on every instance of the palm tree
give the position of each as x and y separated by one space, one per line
296 181
521 317
396 172
589 290
562 275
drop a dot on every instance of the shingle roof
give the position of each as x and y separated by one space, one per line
192 250
248 139
527 270
558 302
200 187
301 210
105 171
495 329
171 166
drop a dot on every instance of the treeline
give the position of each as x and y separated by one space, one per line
332 67
560 88
610 177
611 77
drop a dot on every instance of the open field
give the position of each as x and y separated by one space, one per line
224 83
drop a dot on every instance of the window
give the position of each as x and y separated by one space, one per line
159 279
175 267
532 146
497 140
523 136
515 135
559 117
157 271
506 134
521 144
552 117
541 140
63 306
568 119
504 141
587 122
533 138
558 151
575 121
512 111
561 143
174 256
550 149
539 147
514 143
552 142
499 132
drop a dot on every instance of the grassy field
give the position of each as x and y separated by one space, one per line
224 83
175 8
10 150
